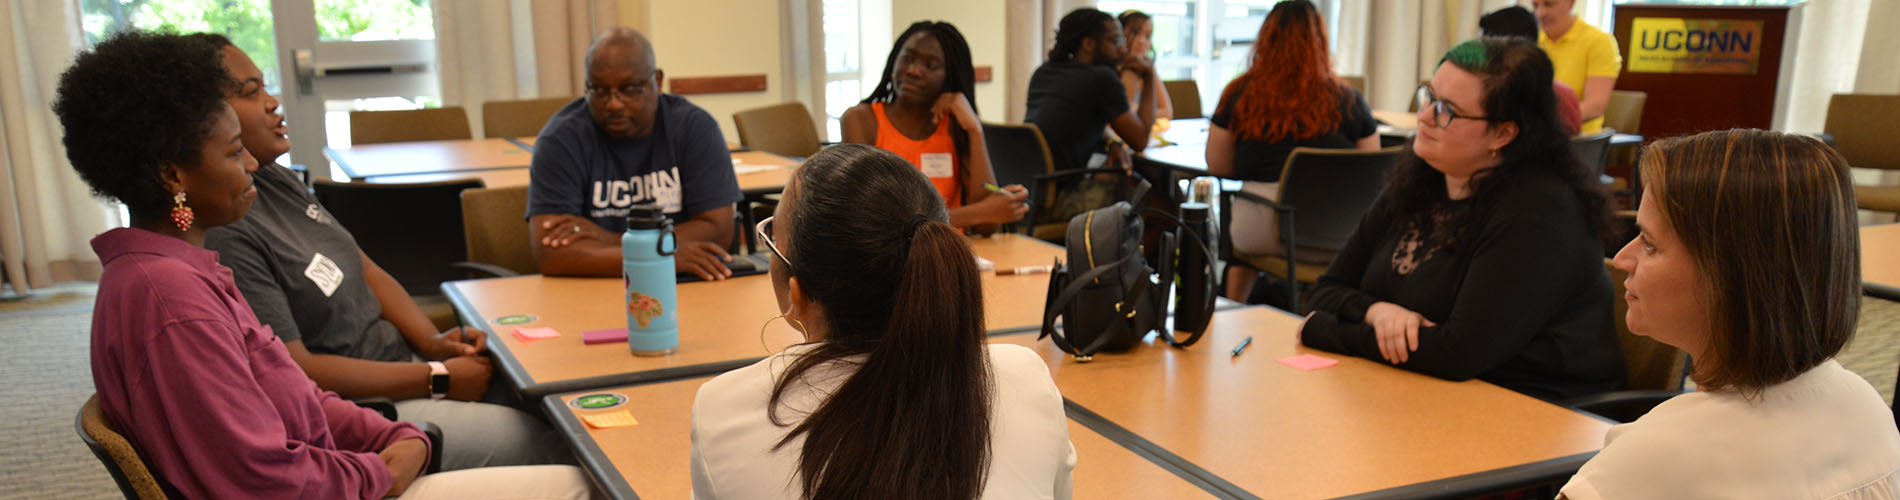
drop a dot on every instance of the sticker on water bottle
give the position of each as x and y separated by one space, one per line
644 307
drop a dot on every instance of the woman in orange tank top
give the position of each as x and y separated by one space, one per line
924 111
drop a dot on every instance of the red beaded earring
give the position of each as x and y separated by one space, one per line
181 214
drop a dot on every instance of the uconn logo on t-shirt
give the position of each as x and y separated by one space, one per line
613 198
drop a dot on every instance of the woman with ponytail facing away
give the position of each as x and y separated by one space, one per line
894 394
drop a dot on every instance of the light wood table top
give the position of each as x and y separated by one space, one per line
1396 119
762 172
1880 260
730 146
653 459
769 180
719 321
490 178
1357 428
429 157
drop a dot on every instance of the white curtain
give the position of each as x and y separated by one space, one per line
1032 28
498 50
1878 73
47 214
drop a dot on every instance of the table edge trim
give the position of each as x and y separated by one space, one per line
588 452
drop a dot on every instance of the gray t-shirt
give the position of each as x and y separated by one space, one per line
302 273
683 166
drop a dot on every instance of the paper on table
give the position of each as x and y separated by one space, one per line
984 265
740 167
1309 362
592 337
610 420
537 333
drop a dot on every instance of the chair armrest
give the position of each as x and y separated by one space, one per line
1621 406
1254 198
381 404
1075 172
435 445
484 268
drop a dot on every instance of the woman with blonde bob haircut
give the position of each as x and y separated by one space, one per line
1748 259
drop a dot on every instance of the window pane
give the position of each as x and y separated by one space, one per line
840 95
841 36
246 22
1173 19
371 20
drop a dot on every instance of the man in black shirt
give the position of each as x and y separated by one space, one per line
1078 92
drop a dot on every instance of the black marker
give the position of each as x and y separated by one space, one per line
1243 345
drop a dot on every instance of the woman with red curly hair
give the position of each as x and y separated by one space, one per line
1288 98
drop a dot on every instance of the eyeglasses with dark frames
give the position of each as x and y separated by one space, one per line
1442 115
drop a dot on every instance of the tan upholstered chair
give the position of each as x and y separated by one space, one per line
1624 115
1186 96
135 480
519 118
428 124
783 129
1650 365
1357 82
1864 127
497 232
1625 111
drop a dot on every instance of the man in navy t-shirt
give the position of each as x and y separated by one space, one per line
626 144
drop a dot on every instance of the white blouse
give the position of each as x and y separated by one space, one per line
1030 454
1823 435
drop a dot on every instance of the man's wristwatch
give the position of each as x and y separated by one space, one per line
438 380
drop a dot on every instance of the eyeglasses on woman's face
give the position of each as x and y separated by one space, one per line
764 229
1442 114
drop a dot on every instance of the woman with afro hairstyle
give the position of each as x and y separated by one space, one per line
183 369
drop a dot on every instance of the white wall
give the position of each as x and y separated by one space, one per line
981 22
700 38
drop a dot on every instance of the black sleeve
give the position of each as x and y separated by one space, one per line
707 180
1224 110
1111 95
1339 307
554 177
1359 117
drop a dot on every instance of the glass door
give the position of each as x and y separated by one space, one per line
321 58
337 56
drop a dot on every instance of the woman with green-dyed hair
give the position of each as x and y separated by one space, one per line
1483 258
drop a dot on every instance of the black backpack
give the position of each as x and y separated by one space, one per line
1107 295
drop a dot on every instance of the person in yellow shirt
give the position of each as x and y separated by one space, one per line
1585 57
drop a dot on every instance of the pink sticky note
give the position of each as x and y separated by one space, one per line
1309 362
591 337
538 333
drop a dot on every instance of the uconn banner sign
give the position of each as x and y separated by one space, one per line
1703 46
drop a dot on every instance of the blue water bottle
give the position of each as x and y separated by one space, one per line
646 260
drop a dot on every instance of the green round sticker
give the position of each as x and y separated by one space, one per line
515 319
600 401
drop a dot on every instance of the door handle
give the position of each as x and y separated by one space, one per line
305 64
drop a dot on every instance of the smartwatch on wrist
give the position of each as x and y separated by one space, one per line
438 380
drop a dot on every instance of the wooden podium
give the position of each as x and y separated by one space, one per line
1707 67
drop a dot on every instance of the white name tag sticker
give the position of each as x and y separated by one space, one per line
939 165
325 274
